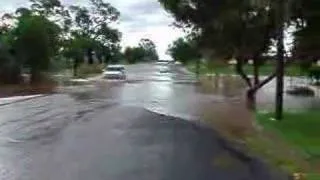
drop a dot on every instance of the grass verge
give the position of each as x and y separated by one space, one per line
266 69
26 89
87 71
292 144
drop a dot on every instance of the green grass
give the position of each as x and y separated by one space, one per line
87 71
301 130
266 69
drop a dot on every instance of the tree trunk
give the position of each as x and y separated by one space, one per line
256 71
35 76
239 69
90 56
251 92
251 99
75 67
99 56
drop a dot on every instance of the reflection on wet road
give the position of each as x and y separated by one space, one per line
118 131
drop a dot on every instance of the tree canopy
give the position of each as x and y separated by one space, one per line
183 50
306 16
34 36
145 52
36 41
225 29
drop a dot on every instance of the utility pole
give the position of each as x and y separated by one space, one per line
280 60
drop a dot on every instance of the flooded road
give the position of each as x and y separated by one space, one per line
142 129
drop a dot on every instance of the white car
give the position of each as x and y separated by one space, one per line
115 72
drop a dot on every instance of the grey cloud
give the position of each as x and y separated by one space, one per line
141 23
145 7
140 9
141 15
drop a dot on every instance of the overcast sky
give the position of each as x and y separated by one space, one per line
139 19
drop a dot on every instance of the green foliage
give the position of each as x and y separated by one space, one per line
93 32
314 73
134 54
36 41
75 48
46 7
226 28
9 67
183 50
86 70
221 68
60 63
38 36
145 52
150 49
307 41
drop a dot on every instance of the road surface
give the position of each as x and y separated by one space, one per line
143 129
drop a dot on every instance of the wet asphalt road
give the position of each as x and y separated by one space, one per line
143 129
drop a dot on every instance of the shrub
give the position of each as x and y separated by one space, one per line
314 73
86 70
59 63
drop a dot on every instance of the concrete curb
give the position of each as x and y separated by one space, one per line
22 100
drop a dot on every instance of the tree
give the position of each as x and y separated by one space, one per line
9 66
75 49
36 42
94 24
150 49
144 52
225 29
306 16
134 54
36 35
183 50
53 10
46 7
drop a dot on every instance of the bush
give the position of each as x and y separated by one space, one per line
10 72
85 70
314 73
60 63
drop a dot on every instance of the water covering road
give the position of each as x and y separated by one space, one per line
119 131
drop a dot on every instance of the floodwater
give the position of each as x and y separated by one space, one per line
144 128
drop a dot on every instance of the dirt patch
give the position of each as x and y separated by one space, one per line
25 89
